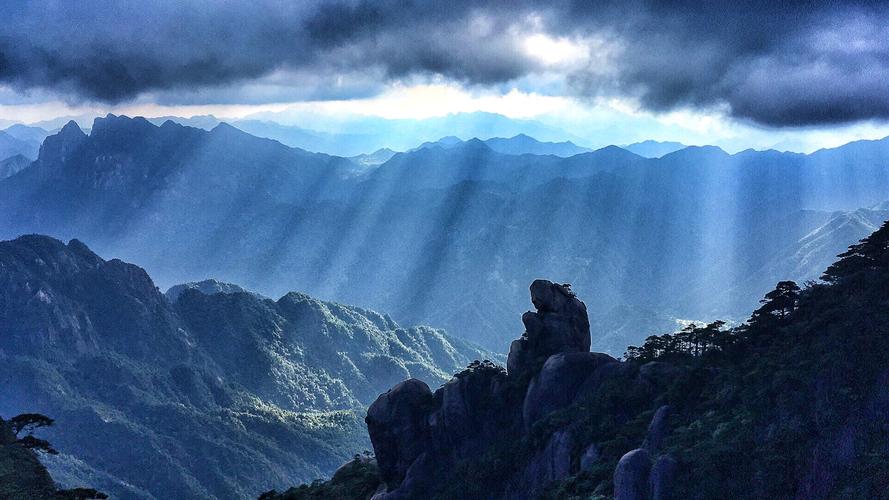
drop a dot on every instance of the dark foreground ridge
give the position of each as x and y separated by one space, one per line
791 404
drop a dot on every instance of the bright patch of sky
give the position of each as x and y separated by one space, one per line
591 123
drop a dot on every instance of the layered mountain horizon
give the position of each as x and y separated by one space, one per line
514 136
285 250
359 137
442 234
445 234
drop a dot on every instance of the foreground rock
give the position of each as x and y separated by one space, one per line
560 325
419 435
397 421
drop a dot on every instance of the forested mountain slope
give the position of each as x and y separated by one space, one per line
791 404
211 396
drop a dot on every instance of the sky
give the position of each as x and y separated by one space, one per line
791 75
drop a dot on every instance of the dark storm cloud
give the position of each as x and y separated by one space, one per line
774 63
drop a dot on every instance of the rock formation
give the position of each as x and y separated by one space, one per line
418 435
631 476
56 149
558 382
560 325
642 474
397 422
789 406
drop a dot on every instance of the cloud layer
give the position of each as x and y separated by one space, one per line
772 63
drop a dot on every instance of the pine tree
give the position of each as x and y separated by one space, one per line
27 422
871 253
777 304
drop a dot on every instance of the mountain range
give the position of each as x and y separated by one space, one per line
13 165
654 149
446 234
517 145
210 395
267 392
21 140
366 137
11 146
364 134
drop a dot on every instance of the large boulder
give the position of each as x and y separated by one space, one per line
626 373
555 460
552 463
631 476
417 481
660 481
560 325
657 429
398 428
556 386
471 409
635 478
589 458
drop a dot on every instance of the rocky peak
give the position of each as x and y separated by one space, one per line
114 133
58 148
87 304
206 287
111 122
224 128
414 430
560 325
397 425
71 130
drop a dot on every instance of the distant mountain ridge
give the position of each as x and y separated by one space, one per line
30 134
363 135
21 140
132 161
654 149
12 146
524 144
13 165
446 235
520 144
378 157
206 287
215 396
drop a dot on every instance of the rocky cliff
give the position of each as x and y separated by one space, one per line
791 404
419 435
